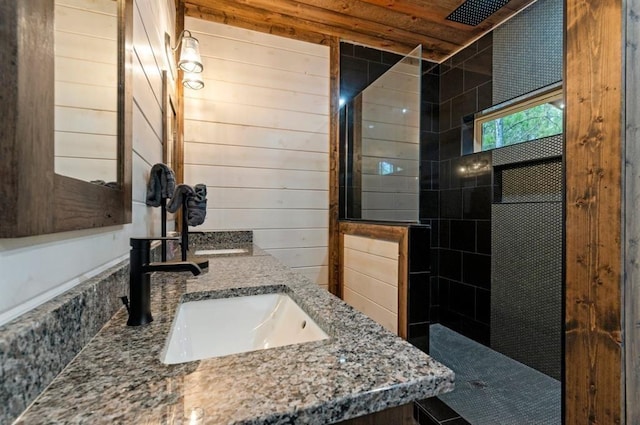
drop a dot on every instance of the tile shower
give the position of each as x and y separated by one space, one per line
474 217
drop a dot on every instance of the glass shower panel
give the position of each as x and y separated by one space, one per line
385 149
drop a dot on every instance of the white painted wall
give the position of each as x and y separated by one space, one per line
370 279
35 269
257 136
390 144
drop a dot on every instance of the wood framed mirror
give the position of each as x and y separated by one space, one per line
34 199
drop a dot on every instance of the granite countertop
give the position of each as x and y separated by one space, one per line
361 369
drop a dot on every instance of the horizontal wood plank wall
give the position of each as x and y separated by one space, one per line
258 136
86 79
374 272
594 157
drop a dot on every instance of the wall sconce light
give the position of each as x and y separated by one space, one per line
193 80
190 61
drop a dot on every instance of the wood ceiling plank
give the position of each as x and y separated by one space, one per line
331 23
269 27
434 26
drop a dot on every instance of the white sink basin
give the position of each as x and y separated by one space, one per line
221 251
218 327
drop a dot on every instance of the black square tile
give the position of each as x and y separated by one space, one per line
346 49
445 171
485 96
477 202
434 314
462 299
419 292
485 41
476 270
451 83
443 295
353 76
438 409
445 233
475 330
450 264
419 336
419 249
463 235
430 88
462 106
429 146
367 53
376 70
435 233
464 54
483 236
451 203
450 144
429 203
478 69
435 258
390 58
483 306
444 121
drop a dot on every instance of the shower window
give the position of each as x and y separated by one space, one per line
531 119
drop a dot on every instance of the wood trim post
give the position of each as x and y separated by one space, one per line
593 154
631 220
334 164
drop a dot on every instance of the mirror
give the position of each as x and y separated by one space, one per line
35 199
86 89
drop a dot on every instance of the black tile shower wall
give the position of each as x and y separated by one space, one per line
460 290
419 286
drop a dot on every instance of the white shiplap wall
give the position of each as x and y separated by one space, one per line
370 268
35 269
390 144
257 136
86 78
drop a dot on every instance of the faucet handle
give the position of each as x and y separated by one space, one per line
145 243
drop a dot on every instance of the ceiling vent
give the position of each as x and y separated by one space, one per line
472 12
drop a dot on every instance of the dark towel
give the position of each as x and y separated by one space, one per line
197 205
162 183
194 200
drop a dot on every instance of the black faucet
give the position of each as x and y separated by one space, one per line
139 283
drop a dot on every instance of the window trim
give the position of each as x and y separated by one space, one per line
537 99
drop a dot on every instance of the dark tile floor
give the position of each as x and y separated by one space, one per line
491 389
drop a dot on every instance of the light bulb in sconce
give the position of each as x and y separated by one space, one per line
190 60
193 80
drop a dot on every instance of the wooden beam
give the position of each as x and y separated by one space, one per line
288 13
334 167
260 25
392 20
594 97
631 222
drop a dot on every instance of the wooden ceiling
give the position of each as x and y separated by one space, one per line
392 25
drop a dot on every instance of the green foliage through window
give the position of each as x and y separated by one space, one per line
539 121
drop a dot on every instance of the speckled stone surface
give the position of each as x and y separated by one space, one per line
362 368
220 239
36 346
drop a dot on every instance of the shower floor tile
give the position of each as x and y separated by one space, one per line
492 389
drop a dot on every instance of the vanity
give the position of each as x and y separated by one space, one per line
359 370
